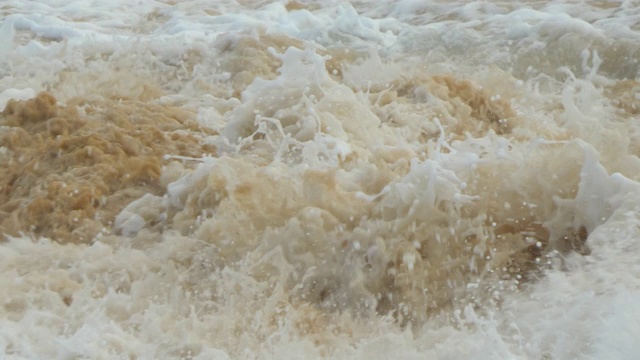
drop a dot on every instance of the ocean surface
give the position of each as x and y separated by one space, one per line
320 179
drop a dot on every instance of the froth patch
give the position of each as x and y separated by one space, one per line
246 58
294 5
70 169
625 95
461 105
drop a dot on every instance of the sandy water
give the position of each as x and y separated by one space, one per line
307 179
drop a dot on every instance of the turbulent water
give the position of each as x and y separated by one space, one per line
319 179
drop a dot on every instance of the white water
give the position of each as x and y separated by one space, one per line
374 180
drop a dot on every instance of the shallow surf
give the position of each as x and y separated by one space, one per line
305 179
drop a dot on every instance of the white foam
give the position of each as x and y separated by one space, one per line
370 72
16 94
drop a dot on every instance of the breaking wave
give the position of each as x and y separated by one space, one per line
304 179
